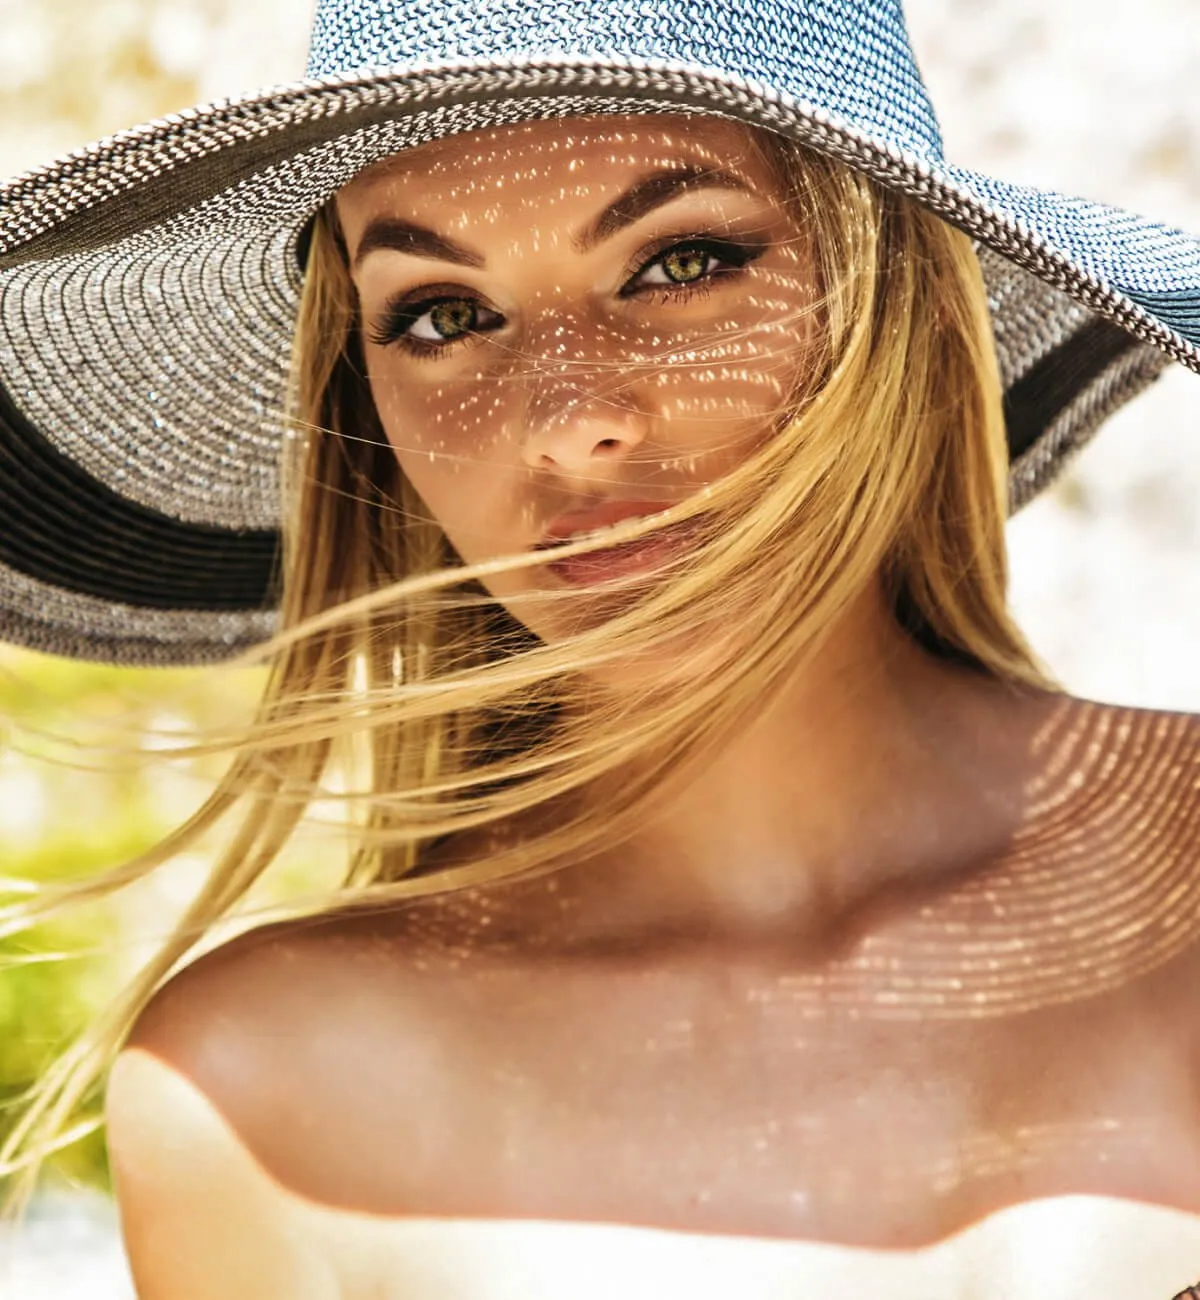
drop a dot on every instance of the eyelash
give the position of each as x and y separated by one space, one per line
400 317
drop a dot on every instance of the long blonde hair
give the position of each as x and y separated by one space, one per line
892 466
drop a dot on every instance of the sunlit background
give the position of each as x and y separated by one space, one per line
1095 97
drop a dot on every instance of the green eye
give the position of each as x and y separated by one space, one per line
693 262
451 317
431 324
683 265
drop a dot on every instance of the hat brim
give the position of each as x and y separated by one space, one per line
149 286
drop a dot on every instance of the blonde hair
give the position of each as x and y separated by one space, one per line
892 465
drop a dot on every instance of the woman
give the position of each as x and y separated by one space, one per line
734 901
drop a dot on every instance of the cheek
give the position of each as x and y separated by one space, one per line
734 385
457 417
471 503
446 441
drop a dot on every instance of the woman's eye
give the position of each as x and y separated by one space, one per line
679 266
434 322
446 320
686 264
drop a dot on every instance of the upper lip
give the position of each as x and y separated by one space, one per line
599 516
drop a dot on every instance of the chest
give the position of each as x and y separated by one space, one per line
735 1107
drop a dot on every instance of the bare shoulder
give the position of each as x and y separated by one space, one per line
1142 760
306 1039
278 1075
200 1220
1115 827
245 1009
1113 809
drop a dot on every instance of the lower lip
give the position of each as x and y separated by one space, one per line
626 558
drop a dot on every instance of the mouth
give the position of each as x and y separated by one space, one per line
622 559
583 525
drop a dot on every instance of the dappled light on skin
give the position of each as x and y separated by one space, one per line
1096 888
636 327
883 1079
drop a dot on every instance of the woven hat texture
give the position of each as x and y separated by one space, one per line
149 284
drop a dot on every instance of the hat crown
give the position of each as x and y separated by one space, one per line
851 58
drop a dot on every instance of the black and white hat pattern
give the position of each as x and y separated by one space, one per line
149 284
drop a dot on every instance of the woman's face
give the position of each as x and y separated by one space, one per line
570 320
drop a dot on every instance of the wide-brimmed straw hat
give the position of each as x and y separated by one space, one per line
149 284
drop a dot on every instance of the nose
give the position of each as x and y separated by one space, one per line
581 420
577 442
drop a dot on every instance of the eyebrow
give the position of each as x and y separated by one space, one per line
415 240
651 192
640 199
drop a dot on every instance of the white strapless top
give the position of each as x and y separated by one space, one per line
1058 1248
1065 1248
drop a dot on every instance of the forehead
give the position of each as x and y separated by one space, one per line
530 163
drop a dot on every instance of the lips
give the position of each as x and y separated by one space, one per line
619 560
603 515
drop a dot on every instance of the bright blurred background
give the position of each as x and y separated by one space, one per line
1095 97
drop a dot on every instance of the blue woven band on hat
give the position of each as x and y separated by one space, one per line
1154 265
848 57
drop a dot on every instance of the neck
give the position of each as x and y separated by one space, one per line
877 767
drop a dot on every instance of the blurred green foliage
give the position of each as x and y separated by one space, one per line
69 73
76 797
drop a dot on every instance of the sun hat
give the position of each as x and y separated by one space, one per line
149 283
